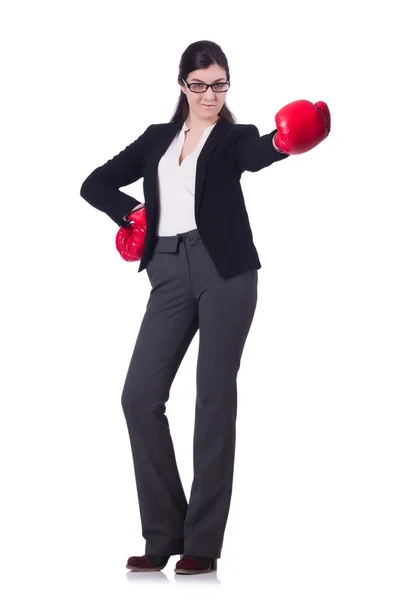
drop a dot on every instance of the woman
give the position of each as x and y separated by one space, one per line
202 266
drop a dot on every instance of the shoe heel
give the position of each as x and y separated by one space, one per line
214 562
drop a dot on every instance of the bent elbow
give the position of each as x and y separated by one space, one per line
87 187
83 189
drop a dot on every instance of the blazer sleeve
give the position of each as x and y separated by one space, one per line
254 152
101 187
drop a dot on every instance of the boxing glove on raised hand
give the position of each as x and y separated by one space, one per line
302 125
130 239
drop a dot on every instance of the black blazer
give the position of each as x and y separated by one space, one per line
221 217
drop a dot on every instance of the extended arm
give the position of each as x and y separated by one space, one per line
254 152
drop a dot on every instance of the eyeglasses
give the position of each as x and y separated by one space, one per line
198 88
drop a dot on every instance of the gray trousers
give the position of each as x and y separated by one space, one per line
187 294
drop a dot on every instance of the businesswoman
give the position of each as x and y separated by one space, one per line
202 266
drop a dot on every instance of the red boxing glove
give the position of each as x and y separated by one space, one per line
301 126
130 240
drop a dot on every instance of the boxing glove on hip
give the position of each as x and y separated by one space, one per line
130 239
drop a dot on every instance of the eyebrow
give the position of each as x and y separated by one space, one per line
201 81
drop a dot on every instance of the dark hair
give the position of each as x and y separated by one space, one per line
200 55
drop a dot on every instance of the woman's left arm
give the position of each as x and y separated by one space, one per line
254 152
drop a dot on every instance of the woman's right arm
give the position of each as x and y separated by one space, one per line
101 187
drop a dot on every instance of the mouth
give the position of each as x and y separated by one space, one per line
208 105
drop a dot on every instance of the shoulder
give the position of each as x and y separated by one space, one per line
160 129
233 130
245 129
158 126
236 131
240 129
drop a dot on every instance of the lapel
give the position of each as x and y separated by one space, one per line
165 137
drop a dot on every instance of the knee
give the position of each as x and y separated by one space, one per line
132 402
139 404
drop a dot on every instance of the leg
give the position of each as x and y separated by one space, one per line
226 310
168 327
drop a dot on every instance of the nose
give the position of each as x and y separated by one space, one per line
210 99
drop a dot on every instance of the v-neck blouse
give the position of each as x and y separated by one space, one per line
176 185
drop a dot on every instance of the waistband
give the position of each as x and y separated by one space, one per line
169 243
186 234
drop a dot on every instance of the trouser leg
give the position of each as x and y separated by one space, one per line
226 310
167 328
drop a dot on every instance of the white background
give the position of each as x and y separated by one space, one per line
313 511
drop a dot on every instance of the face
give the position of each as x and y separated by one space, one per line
212 74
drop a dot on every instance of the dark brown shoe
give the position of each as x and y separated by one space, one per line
147 562
193 565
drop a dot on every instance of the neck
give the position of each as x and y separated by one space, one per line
200 124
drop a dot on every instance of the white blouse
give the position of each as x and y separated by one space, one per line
176 186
